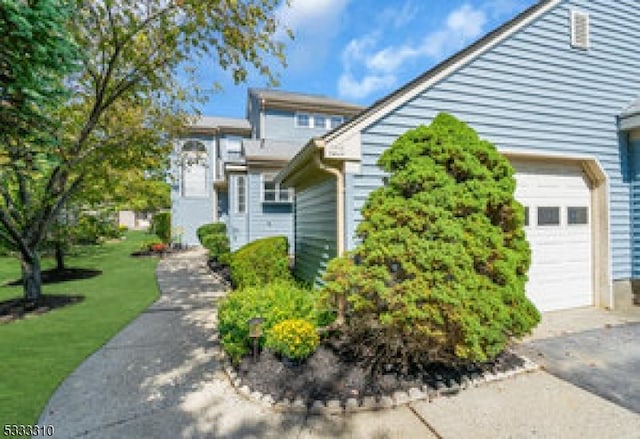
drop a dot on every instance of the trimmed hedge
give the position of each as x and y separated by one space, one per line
276 302
161 226
211 229
214 238
261 262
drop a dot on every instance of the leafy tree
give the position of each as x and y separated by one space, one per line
440 274
124 90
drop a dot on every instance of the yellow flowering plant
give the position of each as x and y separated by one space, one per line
295 339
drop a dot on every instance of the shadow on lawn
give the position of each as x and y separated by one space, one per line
54 276
18 308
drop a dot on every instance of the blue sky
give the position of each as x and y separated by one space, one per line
361 50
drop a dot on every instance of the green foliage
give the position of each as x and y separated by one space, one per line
217 244
295 339
210 229
260 262
91 229
161 226
276 302
92 94
441 271
214 238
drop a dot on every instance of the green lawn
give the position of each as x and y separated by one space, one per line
38 353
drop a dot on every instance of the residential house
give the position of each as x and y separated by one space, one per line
224 167
556 90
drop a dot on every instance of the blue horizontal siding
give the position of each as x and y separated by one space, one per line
533 91
267 220
315 230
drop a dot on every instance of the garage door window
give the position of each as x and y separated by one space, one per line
548 216
577 215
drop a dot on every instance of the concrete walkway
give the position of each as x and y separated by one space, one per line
159 378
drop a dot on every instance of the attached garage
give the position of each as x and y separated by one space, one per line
557 200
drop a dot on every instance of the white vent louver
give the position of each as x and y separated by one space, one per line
579 30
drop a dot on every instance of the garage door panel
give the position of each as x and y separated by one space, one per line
560 275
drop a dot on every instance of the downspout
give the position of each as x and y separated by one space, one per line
340 192
342 301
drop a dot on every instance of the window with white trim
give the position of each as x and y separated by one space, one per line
194 169
320 121
272 192
335 121
303 120
241 194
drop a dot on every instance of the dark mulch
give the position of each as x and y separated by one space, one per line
15 309
143 253
67 274
221 270
326 375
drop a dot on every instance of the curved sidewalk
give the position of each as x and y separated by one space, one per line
158 378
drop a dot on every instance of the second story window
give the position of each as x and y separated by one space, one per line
194 169
303 120
241 194
335 121
319 121
273 193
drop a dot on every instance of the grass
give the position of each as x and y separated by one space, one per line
38 353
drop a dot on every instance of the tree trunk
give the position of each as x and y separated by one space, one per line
31 277
59 256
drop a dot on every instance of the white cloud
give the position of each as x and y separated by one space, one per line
310 19
382 66
351 88
399 17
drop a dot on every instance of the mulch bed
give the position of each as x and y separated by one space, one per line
15 309
223 271
330 375
326 375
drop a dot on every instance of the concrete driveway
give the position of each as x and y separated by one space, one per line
604 360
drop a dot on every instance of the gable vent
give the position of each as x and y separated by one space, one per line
579 30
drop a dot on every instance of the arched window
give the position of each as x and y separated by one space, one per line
194 169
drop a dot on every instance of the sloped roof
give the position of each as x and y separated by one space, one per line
270 150
213 122
273 96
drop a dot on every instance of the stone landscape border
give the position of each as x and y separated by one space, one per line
369 403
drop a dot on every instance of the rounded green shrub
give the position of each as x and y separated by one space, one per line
295 339
161 226
217 244
261 262
211 229
276 302
441 269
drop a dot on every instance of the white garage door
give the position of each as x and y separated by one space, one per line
557 204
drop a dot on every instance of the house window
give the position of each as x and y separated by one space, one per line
303 120
548 216
241 194
194 169
526 216
335 121
577 216
319 121
273 193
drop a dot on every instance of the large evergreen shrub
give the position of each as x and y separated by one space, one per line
260 262
440 273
